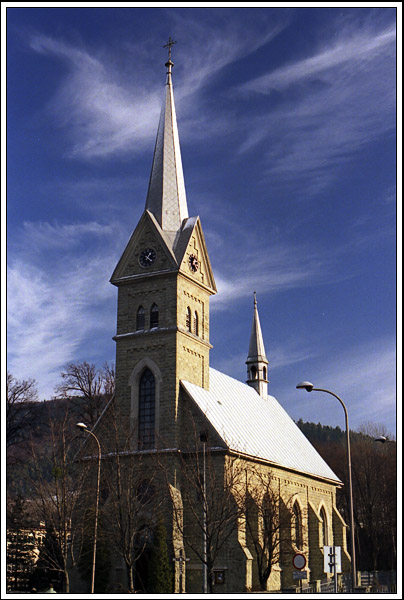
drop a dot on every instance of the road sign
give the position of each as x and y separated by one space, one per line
332 557
299 574
299 561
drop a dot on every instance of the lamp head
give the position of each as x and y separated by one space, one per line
305 385
81 425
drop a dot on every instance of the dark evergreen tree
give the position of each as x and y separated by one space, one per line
160 570
48 569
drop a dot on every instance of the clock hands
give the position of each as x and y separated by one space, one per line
147 257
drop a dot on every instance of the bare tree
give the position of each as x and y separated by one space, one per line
20 396
208 511
375 503
374 479
133 504
88 388
55 484
267 520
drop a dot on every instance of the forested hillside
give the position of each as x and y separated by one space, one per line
374 482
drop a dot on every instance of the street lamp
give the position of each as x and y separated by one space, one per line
383 440
309 387
84 427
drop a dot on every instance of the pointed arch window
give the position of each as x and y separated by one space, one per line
188 319
254 373
196 323
264 371
297 526
140 318
154 316
324 526
147 409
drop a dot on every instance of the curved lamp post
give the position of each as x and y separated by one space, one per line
84 427
309 387
204 438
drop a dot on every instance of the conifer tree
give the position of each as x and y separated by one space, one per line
160 572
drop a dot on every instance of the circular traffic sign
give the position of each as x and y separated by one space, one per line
299 561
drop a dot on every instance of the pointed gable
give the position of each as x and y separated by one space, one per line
191 243
148 234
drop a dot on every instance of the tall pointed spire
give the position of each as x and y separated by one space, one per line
166 197
257 371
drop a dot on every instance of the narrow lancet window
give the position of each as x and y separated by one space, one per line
188 319
297 526
140 319
324 526
147 409
154 316
196 323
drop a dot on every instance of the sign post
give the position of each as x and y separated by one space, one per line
299 562
332 562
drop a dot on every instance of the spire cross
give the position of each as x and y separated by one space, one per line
255 298
168 45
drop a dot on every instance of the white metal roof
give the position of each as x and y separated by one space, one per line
256 426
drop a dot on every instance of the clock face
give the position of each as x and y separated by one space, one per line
147 257
193 263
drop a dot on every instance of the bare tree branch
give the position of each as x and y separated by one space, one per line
20 396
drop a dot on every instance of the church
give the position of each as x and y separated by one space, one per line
246 448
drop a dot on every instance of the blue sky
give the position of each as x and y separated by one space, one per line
287 123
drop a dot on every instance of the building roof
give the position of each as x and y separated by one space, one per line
255 426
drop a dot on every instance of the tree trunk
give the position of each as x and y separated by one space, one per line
67 582
131 580
211 579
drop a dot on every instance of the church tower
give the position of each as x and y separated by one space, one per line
257 362
164 281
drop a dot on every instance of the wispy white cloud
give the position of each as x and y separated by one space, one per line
347 53
56 313
333 104
101 114
363 376
276 268
218 40
106 111
40 235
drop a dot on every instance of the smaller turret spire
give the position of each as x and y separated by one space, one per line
257 371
